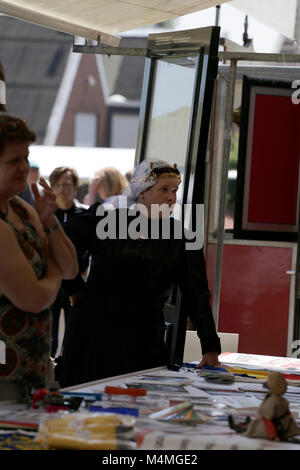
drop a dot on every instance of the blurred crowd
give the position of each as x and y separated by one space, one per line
53 260
72 198
106 182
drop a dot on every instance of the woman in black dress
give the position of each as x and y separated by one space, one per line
117 323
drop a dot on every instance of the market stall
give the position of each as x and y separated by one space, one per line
161 409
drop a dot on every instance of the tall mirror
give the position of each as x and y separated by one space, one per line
170 111
175 110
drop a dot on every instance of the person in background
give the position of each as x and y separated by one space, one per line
3 109
35 256
128 175
34 173
108 182
64 182
27 195
32 178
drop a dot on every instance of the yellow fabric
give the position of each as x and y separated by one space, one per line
259 374
79 431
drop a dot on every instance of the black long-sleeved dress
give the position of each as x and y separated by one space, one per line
118 325
62 300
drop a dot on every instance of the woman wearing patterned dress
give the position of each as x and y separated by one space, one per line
35 256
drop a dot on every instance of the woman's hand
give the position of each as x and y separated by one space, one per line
94 186
210 359
61 247
91 196
45 204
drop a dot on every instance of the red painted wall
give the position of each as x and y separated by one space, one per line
254 296
275 160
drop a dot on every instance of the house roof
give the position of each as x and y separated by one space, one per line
123 75
34 59
130 78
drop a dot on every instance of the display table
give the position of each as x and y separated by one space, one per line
211 401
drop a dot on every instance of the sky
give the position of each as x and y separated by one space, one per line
232 20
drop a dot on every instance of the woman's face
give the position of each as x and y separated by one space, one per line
64 189
163 192
14 168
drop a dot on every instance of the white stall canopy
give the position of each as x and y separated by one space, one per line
91 18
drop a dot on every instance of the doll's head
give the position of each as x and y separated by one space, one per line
276 383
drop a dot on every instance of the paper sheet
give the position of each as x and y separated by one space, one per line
206 385
267 362
160 441
237 401
197 392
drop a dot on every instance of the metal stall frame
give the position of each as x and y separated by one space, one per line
233 58
199 48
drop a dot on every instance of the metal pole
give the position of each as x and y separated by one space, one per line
140 51
222 208
217 20
297 28
296 325
259 57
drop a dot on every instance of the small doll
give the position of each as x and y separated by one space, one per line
274 420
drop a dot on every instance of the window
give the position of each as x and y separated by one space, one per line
85 130
124 128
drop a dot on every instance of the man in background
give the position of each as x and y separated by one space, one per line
33 177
